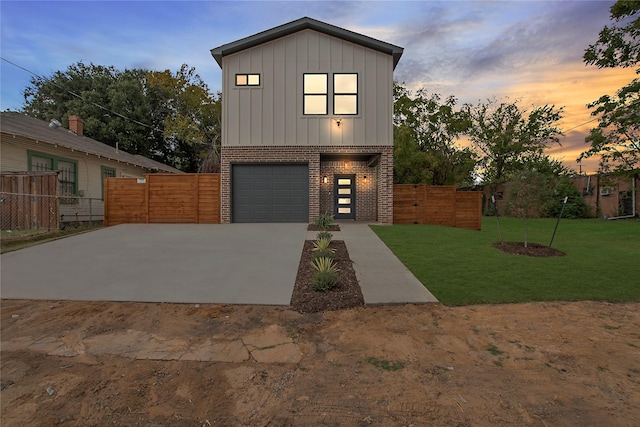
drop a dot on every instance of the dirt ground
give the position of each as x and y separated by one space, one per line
135 364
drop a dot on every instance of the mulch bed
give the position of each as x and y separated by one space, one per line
532 249
332 227
346 294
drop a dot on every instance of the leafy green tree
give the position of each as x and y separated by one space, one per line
526 195
575 206
426 129
172 118
506 136
112 104
616 139
192 118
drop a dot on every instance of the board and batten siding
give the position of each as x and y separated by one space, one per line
271 114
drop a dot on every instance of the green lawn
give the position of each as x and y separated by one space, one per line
462 267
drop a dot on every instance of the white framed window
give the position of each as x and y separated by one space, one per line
315 94
345 94
247 79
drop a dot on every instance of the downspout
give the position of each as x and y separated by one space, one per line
633 201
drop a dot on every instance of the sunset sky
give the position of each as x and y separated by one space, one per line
474 50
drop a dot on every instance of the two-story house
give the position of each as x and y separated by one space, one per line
307 112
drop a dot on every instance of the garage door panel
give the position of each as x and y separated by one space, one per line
270 193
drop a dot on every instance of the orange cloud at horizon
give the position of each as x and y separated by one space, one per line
572 86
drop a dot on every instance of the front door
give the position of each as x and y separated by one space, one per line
345 197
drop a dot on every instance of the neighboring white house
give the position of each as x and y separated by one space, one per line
307 112
32 145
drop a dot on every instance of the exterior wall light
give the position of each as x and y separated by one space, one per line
324 179
338 121
365 179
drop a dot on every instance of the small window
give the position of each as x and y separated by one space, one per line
107 172
345 94
247 79
315 94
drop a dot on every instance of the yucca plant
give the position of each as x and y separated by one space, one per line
324 221
326 277
321 249
324 235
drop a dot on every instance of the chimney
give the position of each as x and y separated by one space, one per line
75 125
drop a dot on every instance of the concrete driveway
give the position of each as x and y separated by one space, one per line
183 263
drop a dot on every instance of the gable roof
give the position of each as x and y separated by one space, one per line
303 24
19 124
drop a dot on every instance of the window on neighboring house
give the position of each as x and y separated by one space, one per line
345 94
315 91
106 172
247 79
67 172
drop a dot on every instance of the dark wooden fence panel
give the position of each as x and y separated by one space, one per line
209 199
29 201
404 204
436 205
125 201
469 210
173 198
163 198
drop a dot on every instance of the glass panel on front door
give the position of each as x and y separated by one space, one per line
344 196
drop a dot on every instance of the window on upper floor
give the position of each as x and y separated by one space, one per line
247 79
345 94
315 89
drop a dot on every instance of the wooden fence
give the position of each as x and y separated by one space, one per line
29 201
163 198
442 205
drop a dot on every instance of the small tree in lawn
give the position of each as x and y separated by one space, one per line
527 193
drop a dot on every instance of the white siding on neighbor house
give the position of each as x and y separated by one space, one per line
89 174
272 113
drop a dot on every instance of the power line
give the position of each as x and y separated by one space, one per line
593 120
80 96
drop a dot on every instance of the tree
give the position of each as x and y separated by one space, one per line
616 139
575 206
426 129
170 118
112 104
505 136
527 193
192 118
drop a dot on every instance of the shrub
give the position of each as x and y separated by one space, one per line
322 249
324 235
326 277
324 221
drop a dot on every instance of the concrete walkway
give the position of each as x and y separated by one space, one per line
383 278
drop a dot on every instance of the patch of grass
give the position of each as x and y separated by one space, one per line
495 351
25 238
385 364
461 267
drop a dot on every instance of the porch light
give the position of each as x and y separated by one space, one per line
365 179
324 179
338 120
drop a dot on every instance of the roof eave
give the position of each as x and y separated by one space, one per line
302 24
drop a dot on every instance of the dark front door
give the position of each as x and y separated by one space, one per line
345 197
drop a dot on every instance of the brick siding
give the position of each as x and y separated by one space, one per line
320 194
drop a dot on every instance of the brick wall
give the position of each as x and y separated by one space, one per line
366 207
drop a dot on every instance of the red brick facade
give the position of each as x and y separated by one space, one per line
374 198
